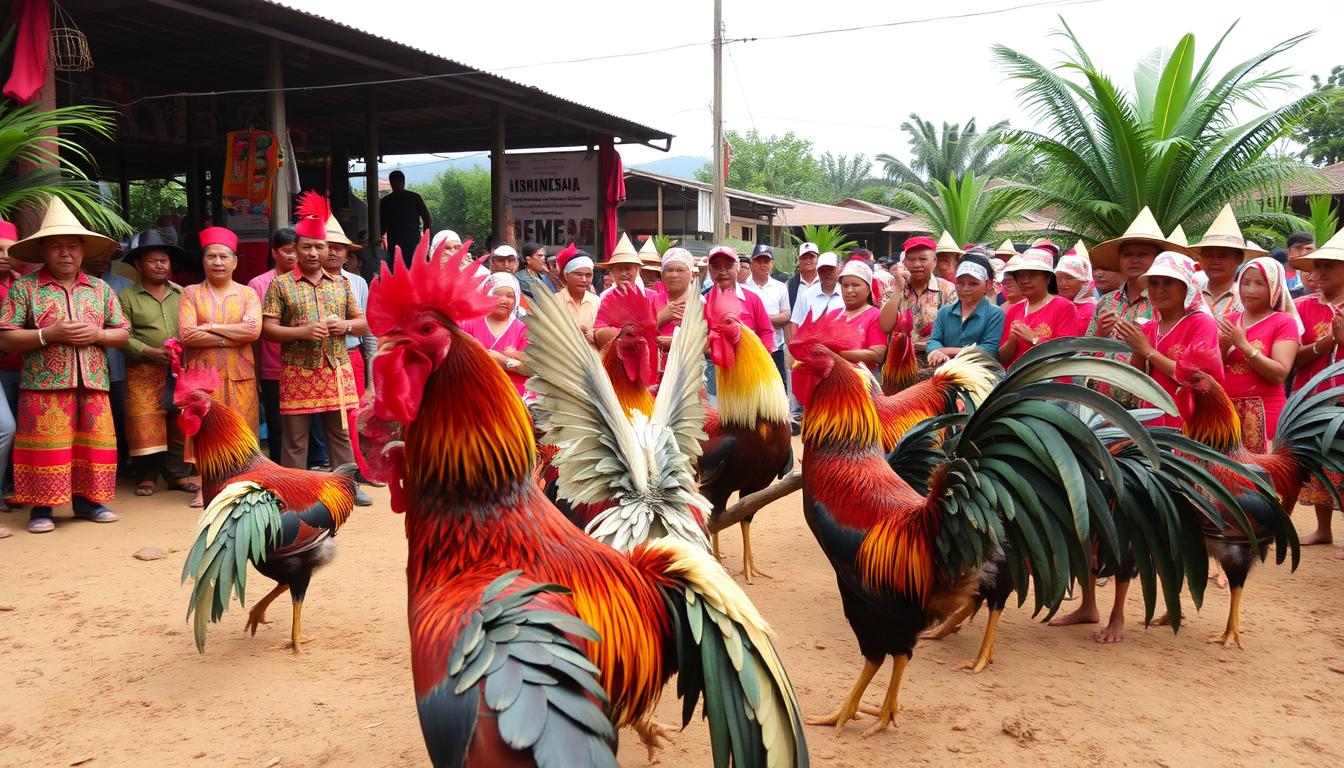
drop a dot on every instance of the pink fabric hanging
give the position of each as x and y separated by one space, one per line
33 18
613 182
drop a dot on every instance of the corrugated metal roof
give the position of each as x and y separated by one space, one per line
777 202
806 213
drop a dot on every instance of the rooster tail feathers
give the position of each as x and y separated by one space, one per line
239 526
1309 428
725 653
973 372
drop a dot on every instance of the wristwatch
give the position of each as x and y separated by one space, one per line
349 328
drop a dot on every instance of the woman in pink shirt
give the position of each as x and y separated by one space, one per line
502 334
1259 346
1041 315
856 288
1073 275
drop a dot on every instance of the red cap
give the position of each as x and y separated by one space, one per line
219 236
858 257
8 231
915 243
722 250
312 228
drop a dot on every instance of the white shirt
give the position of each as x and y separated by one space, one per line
775 296
812 302
360 287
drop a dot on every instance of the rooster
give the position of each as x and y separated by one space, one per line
463 475
1305 445
282 520
900 369
750 442
650 491
1016 476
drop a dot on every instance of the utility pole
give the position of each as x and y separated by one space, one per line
717 199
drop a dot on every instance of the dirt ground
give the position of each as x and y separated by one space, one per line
97 665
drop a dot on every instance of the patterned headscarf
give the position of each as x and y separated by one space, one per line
1280 300
1178 266
1078 268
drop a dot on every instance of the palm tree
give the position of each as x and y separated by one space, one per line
827 238
844 176
1173 144
41 139
946 155
968 208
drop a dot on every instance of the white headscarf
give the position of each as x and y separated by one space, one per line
498 279
1280 300
442 236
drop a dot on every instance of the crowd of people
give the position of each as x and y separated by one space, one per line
89 354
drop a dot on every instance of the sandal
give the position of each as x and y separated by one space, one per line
99 514
184 484
5 532
41 525
145 489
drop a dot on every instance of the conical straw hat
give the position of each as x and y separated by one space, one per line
624 254
337 235
60 221
1177 237
947 245
1333 250
1006 249
1144 229
648 253
1080 249
1224 232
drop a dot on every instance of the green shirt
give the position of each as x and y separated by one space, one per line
153 322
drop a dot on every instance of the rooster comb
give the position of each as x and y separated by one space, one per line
439 281
627 305
723 304
1197 359
829 330
203 379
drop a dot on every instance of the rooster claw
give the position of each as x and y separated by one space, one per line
654 736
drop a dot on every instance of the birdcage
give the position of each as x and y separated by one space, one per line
69 47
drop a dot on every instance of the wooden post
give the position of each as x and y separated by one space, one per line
124 188
371 172
660 209
275 107
497 222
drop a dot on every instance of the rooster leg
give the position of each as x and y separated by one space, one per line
296 638
850 708
986 655
889 706
749 568
257 616
951 625
714 543
1233 632
653 735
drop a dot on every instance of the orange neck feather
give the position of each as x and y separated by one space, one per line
842 413
632 394
225 445
1210 417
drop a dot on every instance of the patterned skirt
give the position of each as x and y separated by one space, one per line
317 390
1313 493
147 420
1254 430
65 445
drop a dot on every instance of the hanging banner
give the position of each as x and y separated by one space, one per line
249 171
552 197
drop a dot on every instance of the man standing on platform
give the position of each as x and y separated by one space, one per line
62 320
309 313
403 217
153 439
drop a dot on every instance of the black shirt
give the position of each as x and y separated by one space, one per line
400 216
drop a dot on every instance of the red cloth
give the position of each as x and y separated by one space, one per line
1242 381
1316 318
9 361
868 322
1196 329
219 236
357 365
613 182
1057 319
33 18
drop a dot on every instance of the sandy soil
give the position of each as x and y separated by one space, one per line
97 665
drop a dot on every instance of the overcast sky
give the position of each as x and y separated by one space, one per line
847 92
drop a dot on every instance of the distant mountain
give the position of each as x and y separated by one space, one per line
681 166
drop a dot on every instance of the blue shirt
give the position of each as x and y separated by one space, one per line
116 358
982 329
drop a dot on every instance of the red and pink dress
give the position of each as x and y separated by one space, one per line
1056 320
513 339
1316 317
868 321
1197 330
1258 401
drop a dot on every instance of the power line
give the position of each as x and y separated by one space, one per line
908 22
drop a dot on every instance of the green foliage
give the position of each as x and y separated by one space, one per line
1324 221
772 165
968 208
1268 220
828 239
152 198
1173 144
459 199
45 140
946 155
1322 131
843 176
663 242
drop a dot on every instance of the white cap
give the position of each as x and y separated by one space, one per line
808 248
505 251
826 259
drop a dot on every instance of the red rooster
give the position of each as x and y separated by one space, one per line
750 443
464 477
900 369
1013 477
281 520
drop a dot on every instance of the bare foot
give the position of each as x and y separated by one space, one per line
945 629
1217 576
1316 537
1084 615
1164 620
1113 633
1339 553
5 533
